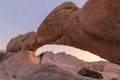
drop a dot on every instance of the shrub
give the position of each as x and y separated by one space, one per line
2 54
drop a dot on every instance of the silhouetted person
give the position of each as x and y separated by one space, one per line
41 56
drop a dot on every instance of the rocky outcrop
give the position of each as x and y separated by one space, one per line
23 42
94 28
51 72
25 66
100 22
49 31
52 27
18 65
61 66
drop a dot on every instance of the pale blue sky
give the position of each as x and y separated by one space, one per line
21 16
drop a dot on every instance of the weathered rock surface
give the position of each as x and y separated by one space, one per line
17 65
94 28
25 66
23 42
52 27
99 20
90 73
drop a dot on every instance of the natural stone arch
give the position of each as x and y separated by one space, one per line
49 31
77 32
69 25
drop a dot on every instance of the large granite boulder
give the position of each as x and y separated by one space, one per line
100 18
52 27
23 42
84 29
94 28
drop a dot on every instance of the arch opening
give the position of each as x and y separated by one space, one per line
80 54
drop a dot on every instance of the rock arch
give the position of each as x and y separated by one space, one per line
95 28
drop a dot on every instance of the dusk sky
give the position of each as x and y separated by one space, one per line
21 16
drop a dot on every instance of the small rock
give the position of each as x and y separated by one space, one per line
23 42
115 79
90 73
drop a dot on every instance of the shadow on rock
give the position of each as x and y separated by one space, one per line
90 73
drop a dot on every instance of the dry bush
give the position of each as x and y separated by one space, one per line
2 54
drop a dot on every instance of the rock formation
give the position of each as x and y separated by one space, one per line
61 66
95 28
27 41
52 27
99 20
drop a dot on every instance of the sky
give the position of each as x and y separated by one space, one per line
21 16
